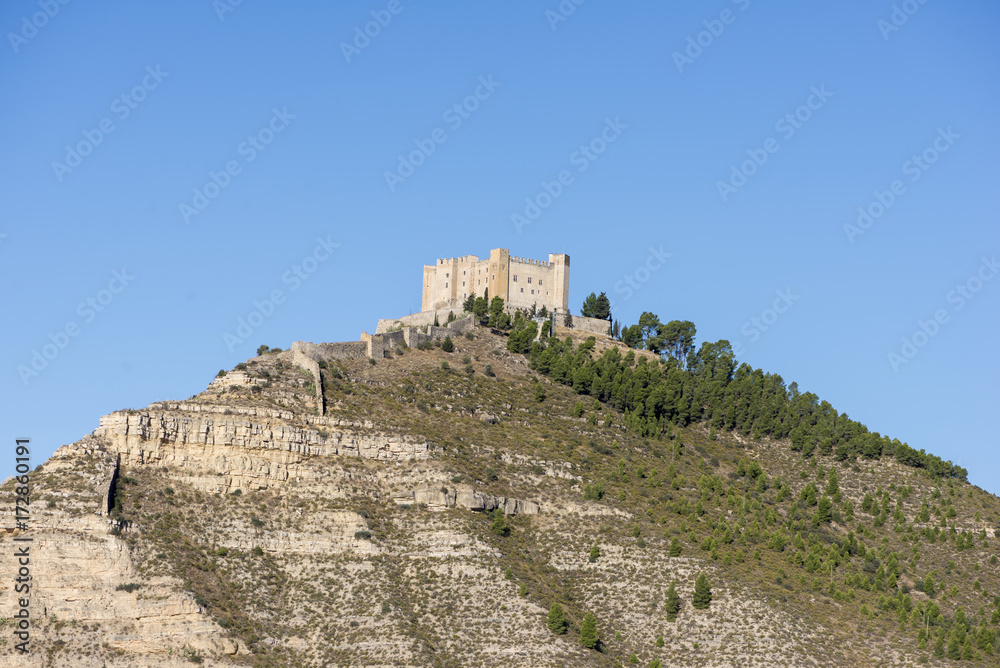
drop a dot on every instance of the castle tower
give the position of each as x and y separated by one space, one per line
560 279
499 264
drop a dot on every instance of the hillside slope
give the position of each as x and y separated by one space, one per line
438 508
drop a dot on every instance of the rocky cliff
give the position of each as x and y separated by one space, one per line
416 512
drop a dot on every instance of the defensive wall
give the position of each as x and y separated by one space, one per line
589 325
372 346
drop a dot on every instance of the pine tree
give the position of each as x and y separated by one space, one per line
447 345
673 605
675 547
702 593
954 647
939 646
557 619
588 631
823 512
929 585
833 486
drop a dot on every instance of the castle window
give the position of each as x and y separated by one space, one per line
515 278
463 284
445 285
522 289
447 275
529 279
539 281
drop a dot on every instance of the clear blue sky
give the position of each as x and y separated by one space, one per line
202 86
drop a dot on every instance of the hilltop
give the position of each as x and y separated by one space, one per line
428 507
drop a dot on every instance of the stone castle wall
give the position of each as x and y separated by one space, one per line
589 325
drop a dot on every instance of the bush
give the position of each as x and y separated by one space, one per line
489 371
221 374
499 525
447 345
262 350
257 552
362 535
130 587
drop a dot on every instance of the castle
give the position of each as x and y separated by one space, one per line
522 283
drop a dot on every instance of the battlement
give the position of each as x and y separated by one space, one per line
464 258
537 263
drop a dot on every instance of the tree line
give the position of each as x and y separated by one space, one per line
686 385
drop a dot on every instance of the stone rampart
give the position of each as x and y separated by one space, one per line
589 325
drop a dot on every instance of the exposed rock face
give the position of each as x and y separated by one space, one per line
81 567
76 565
253 452
469 499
